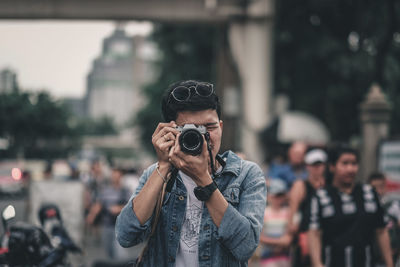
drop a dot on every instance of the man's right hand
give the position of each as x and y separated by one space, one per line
163 139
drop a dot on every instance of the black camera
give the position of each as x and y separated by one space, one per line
191 138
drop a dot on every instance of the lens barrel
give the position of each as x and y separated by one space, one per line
191 141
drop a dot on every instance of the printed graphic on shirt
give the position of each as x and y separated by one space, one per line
191 226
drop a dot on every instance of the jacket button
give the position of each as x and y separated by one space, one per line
206 227
174 228
170 259
181 198
205 257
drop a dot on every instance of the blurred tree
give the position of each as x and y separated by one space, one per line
329 52
187 52
35 125
102 126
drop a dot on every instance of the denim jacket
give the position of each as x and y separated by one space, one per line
242 183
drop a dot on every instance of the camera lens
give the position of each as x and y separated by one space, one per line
191 142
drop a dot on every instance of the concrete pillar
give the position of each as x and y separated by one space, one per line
375 116
228 90
251 43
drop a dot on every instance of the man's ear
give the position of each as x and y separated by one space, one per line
221 124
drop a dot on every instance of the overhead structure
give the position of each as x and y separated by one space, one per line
210 11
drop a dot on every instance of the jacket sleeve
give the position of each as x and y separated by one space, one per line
241 226
128 230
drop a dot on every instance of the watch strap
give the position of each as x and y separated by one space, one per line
205 192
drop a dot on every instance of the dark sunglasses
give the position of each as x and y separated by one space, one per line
183 93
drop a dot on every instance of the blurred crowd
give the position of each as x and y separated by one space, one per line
320 213
106 190
295 231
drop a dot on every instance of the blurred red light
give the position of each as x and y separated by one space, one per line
51 213
16 173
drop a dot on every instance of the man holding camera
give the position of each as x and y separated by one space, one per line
211 214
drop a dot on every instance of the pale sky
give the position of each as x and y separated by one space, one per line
56 55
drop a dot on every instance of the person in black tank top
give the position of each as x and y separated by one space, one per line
345 216
299 199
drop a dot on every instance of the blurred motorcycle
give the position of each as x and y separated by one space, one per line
23 244
52 223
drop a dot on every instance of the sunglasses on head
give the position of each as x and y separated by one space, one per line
183 93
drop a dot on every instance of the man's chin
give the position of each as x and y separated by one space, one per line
349 180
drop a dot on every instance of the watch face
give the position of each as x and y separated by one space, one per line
204 193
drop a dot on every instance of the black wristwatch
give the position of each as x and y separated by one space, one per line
204 193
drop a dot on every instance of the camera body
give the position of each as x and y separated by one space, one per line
191 138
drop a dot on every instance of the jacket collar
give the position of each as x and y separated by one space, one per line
233 162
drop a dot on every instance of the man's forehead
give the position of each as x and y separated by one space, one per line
204 117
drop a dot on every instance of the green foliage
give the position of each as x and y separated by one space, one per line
35 125
101 126
188 52
329 52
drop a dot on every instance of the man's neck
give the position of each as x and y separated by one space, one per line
343 187
317 181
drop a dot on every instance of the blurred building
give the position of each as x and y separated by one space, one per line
113 84
8 81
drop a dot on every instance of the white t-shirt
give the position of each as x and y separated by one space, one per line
188 244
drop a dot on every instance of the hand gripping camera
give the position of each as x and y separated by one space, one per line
191 138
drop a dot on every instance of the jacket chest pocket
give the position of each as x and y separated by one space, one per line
232 195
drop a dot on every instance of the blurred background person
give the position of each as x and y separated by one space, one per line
378 181
345 216
109 203
131 179
292 170
299 200
392 211
48 171
93 182
273 250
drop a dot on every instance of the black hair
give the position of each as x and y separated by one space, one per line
170 107
337 150
376 176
